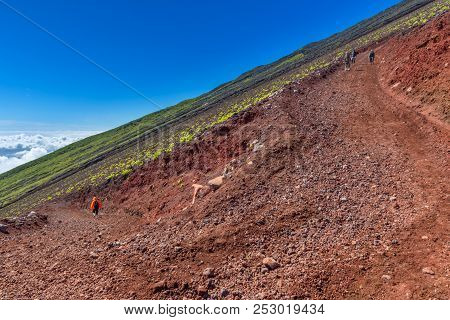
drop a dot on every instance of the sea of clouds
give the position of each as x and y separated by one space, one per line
17 149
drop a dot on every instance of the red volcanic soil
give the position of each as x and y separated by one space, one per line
417 67
335 188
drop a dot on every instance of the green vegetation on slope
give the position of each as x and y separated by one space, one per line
117 152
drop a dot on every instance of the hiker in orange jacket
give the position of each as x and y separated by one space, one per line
96 205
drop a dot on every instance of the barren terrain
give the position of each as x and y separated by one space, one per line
334 188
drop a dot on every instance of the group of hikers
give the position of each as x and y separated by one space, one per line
350 58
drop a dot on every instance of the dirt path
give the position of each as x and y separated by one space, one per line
45 261
423 143
349 195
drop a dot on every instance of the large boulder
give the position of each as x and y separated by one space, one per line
216 183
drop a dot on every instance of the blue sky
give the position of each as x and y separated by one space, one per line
168 50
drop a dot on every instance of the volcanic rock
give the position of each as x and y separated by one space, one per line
270 263
428 270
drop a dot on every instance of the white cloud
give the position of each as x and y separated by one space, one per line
17 149
9 163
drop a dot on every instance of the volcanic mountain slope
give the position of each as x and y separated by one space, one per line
114 154
418 69
334 187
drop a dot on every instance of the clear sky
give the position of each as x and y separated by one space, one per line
167 50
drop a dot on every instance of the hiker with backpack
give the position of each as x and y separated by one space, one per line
372 56
347 61
96 205
353 56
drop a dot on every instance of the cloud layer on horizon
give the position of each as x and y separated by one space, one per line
17 149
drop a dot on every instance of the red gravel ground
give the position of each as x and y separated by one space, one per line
417 68
337 179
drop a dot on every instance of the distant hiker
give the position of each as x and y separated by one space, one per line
347 60
96 205
372 56
353 55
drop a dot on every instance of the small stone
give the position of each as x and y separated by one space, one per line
353 242
258 146
32 215
54 266
93 255
264 270
211 284
392 198
386 277
173 285
224 292
424 238
409 89
428 270
227 172
343 199
395 241
185 286
159 286
270 263
209 272
202 291
3 228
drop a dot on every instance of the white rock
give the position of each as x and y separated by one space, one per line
428 270
209 272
